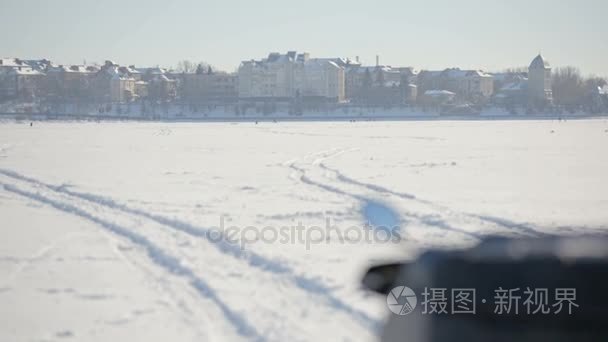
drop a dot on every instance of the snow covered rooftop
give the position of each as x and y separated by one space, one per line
383 68
114 72
129 70
343 62
16 66
390 84
514 86
161 78
276 57
320 63
84 69
439 93
540 63
455 73
24 71
11 62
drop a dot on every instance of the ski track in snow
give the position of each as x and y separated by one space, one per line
521 227
155 253
161 257
441 215
518 227
435 221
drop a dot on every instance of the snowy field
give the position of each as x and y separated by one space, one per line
218 231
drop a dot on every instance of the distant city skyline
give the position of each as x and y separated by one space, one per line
477 34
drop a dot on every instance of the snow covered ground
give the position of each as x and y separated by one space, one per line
218 231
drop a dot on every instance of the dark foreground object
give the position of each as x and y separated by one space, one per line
526 290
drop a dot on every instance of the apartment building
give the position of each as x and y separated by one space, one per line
380 84
466 84
20 80
285 77
70 82
209 88
113 84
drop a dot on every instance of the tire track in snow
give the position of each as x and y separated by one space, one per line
155 253
258 261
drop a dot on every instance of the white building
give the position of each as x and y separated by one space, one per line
285 77
319 78
469 85
114 84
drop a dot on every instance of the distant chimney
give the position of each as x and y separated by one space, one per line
377 60
357 59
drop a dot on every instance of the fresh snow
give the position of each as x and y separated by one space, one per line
110 230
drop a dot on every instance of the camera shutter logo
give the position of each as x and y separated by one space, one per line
401 300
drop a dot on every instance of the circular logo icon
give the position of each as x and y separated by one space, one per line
401 300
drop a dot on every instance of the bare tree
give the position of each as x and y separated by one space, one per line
594 82
568 86
516 70
200 69
186 66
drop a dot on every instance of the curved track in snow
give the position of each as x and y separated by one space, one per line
211 268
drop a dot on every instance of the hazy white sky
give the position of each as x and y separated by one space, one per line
432 34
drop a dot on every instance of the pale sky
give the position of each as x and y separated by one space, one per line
432 34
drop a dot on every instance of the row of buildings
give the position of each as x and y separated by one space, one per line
31 80
278 78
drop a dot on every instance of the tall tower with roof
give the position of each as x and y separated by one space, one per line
539 80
